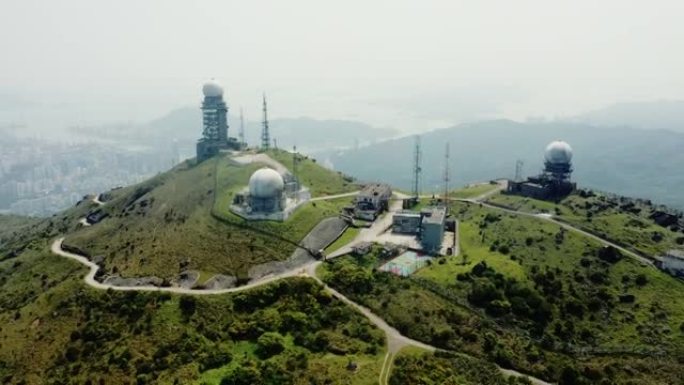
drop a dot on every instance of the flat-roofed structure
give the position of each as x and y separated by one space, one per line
433 230
406 222
372 200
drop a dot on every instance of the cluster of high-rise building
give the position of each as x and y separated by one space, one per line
40 178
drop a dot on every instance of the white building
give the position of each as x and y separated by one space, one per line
267 198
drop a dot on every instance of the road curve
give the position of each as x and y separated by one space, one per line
90 280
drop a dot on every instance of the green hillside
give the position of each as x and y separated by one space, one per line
54 327
180 220
623 220
531 296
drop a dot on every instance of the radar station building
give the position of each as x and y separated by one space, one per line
269 196
554 181
215 123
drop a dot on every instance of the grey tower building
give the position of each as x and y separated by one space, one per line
215 122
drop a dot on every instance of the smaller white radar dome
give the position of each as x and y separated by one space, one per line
558 152
266 183
212 88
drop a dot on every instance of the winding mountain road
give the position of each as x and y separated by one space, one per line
395 340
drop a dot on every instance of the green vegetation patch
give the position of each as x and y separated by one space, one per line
625 221
531 296
413 367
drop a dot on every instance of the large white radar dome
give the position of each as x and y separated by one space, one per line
212 88
266 183
558 152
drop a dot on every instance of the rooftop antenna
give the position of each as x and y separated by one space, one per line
265 135
242 127
417 155
519 170
446 176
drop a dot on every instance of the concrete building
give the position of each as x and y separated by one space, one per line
673 262
432 233
267 197
215 123
406 222
554 182
372 200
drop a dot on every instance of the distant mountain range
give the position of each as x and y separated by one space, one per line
628 161
185 126
657 115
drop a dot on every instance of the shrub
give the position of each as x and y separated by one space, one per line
187 305
270 344
641 279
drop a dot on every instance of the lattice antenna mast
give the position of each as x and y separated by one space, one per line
242 127
295 162
519 170
446 176
265 135
417 158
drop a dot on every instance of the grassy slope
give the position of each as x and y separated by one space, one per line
318 179
349 234
53 327
442 314
473 191
598 215
171 222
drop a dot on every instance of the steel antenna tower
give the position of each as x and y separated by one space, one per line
446 176
295 161
417 158
242 128
265 135
519 170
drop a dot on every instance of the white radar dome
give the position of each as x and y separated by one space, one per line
212 88
558 152
266 183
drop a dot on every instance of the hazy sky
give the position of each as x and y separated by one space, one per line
405 64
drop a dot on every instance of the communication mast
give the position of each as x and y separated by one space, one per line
446 177
265 135
295 162
242 128
417 158
519 170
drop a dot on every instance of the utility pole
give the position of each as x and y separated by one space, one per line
265 135
417 155
242 128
